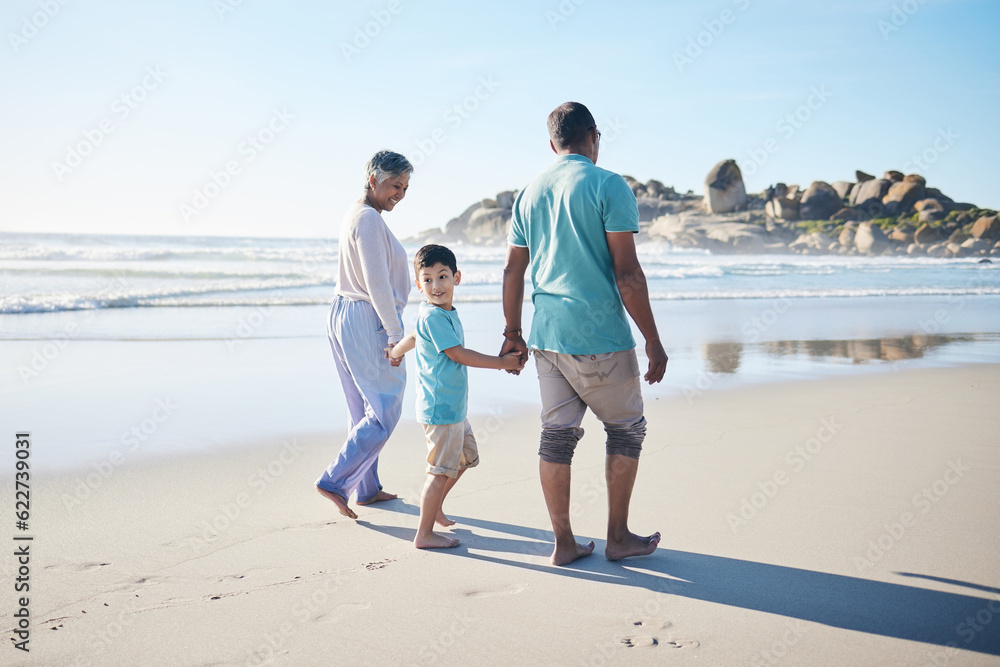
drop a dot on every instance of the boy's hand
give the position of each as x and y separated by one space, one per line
395 359
511 361
515 345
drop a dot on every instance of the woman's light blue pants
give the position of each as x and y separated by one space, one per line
374 392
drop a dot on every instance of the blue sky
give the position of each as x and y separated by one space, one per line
256 118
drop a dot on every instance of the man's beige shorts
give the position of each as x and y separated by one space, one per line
606 383
451 448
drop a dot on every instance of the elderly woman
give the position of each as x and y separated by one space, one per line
372 290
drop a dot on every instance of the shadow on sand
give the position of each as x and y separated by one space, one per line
965 621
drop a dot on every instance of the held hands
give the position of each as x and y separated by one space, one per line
520 347
512 362
657 361
393 359
394 351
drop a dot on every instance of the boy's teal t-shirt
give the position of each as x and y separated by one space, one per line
442 384
562 218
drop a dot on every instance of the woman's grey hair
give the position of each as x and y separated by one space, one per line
386 164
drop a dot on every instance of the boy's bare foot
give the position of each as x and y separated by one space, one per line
379 497
633 545
435 541
567 556
443 520
339 501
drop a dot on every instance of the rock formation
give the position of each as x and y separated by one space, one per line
724 189
897 214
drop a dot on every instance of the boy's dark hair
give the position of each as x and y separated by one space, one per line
432 254
569 124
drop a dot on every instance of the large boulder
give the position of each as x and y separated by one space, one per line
902 234
934 193
724 189
655 188
843 188
868 194
893 176
487 226
901 197
735 237
861 176
849 213
926 235
846 238
650 208
505 199
915 178
819 201
870 240
456 226
931 210
986 227
976 245
810 244
782 208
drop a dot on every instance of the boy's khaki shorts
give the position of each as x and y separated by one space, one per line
451 448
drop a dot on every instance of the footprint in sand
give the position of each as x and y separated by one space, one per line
649 634
513 589
379 564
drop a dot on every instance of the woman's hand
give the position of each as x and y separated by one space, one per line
393 361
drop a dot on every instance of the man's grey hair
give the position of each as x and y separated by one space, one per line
386 164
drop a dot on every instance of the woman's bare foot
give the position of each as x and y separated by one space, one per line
339 501
567 556
434 541
443 520
379 497
633 545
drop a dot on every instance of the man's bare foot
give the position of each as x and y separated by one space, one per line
434 541
443 520
339 501
567 556
379 497
633 545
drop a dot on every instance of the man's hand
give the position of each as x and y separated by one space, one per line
512 362
515 345
657 361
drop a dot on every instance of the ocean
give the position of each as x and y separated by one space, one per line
99 333
67 272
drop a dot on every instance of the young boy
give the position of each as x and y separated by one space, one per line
443 387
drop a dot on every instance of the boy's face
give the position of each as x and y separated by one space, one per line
438 284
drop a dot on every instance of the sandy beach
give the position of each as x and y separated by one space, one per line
852 520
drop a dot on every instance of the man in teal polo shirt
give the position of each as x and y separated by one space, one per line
573 226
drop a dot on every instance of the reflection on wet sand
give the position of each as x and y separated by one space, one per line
726 357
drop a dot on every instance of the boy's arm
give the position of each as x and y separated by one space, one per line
466 357
635 295
408 342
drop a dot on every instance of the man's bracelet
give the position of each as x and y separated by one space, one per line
511 335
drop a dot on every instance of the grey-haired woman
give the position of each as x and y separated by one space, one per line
372 289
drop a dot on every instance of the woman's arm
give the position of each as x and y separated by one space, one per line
374 256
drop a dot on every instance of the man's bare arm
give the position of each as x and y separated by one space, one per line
518 259
635 295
